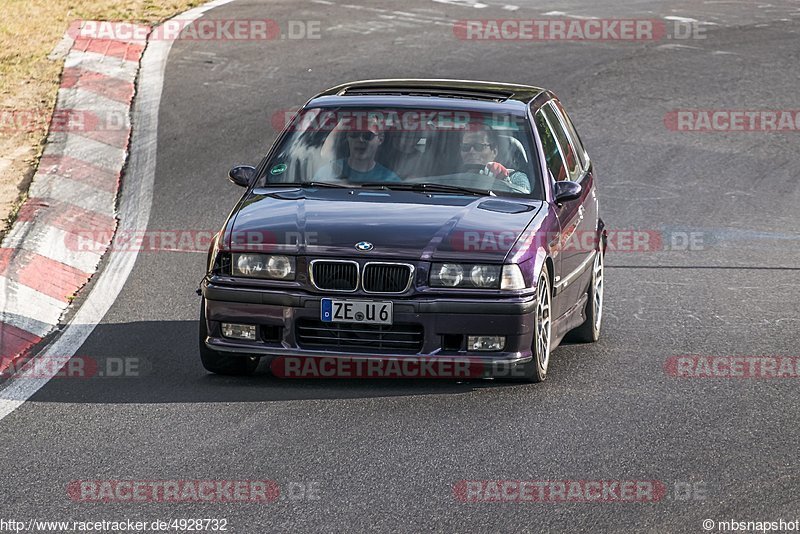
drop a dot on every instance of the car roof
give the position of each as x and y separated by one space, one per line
462 94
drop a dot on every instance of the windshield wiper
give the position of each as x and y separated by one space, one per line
428 187
308 184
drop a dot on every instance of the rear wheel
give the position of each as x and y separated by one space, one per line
536 369
219 363
589 331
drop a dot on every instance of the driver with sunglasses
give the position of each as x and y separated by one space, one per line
479 152
360 166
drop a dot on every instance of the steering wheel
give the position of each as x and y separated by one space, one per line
474 168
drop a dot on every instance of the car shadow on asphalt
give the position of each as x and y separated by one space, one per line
158 362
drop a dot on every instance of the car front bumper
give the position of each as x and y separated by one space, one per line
442 322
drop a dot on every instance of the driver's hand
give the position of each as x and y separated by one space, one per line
497 170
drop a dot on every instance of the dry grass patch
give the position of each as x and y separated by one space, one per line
29 30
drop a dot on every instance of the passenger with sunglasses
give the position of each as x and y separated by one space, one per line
360 166
479 154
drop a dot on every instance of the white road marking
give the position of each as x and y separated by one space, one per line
23 303
84 149
88 197
399 19
687 20
53 243
678 47
463 3
107 65
110 111
30 325
680 19
135 203
420 15
565 14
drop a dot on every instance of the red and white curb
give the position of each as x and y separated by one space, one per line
133 213
74 190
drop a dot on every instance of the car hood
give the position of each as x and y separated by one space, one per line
398 224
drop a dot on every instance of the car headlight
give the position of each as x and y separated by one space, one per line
447 275
466 275
485 275
269 266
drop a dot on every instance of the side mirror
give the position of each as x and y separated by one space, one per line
242 175
566 190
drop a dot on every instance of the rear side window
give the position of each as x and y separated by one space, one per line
570 157
552 154
573 134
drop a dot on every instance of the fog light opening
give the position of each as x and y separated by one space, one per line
486 343
271 333
452 342
239 331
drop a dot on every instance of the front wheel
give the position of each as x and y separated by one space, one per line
536 369
589 331
219 363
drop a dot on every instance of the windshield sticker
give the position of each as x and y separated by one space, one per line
278 169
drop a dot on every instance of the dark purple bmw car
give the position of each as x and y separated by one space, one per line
395 220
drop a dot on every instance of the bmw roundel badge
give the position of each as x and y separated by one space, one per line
364 246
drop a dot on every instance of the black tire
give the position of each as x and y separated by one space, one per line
536 369
219 363
589 331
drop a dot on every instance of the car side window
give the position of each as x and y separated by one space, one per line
573 134
552 154
574 169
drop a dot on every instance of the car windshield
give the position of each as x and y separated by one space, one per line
427 150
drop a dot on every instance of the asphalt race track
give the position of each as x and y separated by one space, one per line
384 455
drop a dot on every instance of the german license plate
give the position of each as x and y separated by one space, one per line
356 311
